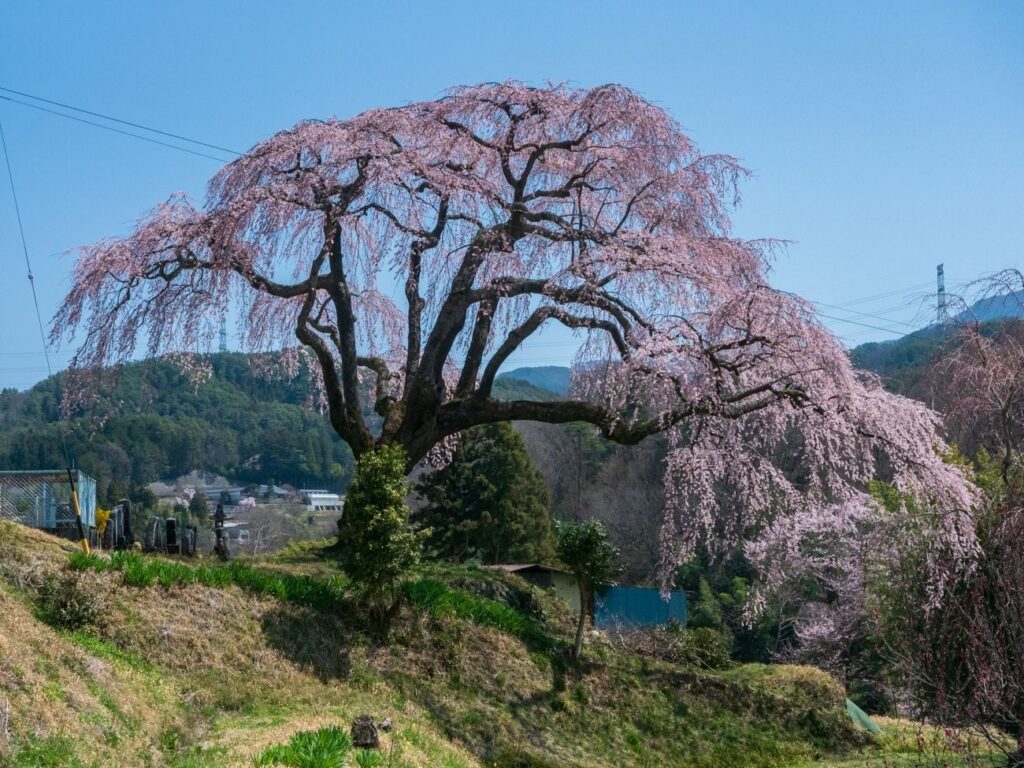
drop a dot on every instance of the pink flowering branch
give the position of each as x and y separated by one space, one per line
497 210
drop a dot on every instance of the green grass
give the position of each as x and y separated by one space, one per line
104 649
434 596
36 752
322 594
324 748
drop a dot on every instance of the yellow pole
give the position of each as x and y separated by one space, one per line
78 513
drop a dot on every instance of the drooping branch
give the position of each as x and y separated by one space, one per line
495 209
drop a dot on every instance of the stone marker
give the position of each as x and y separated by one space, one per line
364 733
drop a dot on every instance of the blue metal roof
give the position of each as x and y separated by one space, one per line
638 607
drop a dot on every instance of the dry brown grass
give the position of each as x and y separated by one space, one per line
55 687
229 673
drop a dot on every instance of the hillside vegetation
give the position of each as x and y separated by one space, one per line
149 422
151 662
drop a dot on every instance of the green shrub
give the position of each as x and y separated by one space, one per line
67 601
300 550
325 748
703 647
377 545
434 596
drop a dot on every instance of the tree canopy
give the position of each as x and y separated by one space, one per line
489 502
419 247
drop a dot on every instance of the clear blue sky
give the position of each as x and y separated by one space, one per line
884 137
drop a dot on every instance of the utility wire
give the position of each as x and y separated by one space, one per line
884 294
24 248
864 314
119 120
112 128
46 350
865 325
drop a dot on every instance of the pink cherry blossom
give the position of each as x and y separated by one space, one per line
418 247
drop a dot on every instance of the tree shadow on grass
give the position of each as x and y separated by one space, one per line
313 640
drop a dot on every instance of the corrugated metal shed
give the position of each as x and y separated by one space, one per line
638 607
42 498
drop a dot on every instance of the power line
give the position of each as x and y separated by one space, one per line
864 314
864 325
46 349
24 247
883 295
119 120
112 128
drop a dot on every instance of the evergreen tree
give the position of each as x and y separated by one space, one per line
198 508
489 502
376 544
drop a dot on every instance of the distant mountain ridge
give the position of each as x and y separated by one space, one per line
901 361
1000 307
555 378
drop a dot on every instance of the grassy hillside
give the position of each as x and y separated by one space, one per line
212 667
200 664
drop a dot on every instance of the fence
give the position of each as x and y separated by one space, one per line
42 499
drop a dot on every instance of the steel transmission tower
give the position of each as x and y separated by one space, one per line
940 302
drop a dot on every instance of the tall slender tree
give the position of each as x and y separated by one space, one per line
593 560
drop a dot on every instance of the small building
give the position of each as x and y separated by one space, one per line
638 607
238 531
274 492
42 499
544 576
624 607
320 501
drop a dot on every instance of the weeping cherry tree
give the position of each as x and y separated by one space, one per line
413 250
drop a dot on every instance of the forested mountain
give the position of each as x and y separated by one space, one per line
149 422
902 362
552 377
